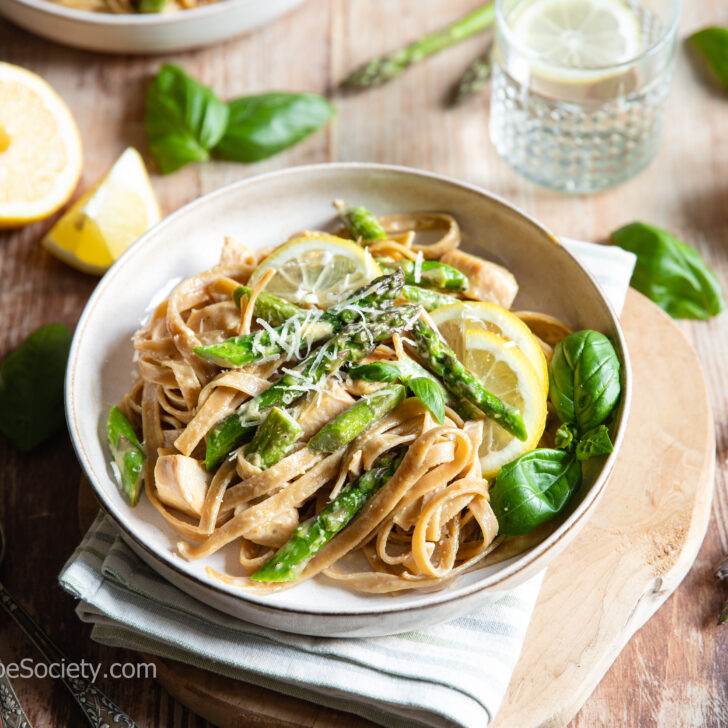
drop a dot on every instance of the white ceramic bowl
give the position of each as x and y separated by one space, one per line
148 33
266 210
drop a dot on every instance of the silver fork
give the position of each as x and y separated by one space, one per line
11 711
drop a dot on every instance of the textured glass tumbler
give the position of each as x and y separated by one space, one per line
581 128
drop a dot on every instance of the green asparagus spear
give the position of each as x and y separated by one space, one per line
352 422
441 359
128 454
385 68
312 535
272 309
360 223
151 6
430 274
311 326
474 80
273 439
349 345
429 300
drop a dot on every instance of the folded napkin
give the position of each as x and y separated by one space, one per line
453 674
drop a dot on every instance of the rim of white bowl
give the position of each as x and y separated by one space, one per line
522 562
138 19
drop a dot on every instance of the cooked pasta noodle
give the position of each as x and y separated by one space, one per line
430 521
128 6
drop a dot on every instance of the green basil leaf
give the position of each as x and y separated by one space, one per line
670 272
378 371
31 387
584 379
430 394
713 44
594 443
532 489
565 437
183 120
260 126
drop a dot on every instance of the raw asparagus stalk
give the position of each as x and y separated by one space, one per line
429 300
311 326
360 223
352 422
273 439
312 535
430 274
128 454
348 346
385 68
441 360
474 79
272 309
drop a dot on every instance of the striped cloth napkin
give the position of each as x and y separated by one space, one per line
453 674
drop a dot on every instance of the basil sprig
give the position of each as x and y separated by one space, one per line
670 272
420 382
186 122
713 45
31 387
585 388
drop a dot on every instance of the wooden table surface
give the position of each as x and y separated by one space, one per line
674 672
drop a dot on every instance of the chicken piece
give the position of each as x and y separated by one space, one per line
318 410
233 251
273 529
182 483
488 281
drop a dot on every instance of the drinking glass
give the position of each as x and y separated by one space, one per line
568 120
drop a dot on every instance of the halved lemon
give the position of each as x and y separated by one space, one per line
578 35
453 320
506 372
108 218
40 148
317 269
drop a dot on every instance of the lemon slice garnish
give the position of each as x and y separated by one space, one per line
40 148
572 36
108 218
506 372
317 269
453 320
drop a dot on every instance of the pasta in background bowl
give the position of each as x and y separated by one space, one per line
262 212
107 27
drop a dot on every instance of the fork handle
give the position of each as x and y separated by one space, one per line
11 712
99 709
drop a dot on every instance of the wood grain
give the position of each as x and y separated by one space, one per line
673 671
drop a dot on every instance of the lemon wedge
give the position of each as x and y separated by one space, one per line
40 148
108 218
453 320
506 372
573 36
317 269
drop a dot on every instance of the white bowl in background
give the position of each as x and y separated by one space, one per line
265 210
143 33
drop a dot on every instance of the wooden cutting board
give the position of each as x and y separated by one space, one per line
637 547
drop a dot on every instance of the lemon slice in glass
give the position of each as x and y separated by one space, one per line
317 269
453 320
40 148
108 218
573 36
506 372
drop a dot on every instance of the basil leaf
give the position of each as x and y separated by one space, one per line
594 443
430 394
533 489
31 387
565 437
183 120
584 379
713 44
670 272
375 372
260 126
